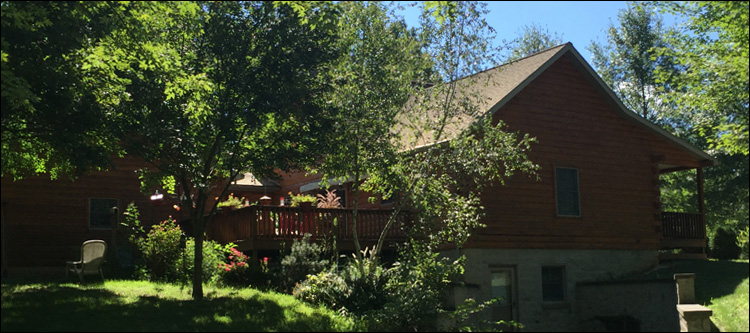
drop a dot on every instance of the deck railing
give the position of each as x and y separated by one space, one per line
282 223
682 225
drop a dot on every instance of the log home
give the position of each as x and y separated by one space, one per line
595 214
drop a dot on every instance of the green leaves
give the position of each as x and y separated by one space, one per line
711 91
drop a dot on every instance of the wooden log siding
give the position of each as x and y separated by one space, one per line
287 223
682 226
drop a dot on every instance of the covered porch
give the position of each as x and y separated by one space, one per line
683 234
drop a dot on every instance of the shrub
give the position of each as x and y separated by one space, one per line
352 289
724 244
305 258
213 258
161 250
242 272
742 242
326 288
406 297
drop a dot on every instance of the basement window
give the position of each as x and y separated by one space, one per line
553 283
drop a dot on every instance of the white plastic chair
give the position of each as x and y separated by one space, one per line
92 259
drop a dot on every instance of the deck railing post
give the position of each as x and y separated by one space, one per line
254 233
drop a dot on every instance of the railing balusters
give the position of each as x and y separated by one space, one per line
682 225
283 223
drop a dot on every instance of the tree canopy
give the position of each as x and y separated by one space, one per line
696 79
51 120
204 92
711 48
532 39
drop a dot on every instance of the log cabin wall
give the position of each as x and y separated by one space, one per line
576 128
46 221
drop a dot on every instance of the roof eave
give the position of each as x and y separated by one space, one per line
704 158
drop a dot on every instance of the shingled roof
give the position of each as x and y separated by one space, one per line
496 86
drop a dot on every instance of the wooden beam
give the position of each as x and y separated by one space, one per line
701 202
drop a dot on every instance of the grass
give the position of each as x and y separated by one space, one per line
140 306
720 285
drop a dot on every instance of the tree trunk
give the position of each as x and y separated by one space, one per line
198 234
355 191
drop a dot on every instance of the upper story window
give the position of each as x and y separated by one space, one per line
566 187
103 213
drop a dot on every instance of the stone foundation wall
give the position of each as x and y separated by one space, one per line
529 309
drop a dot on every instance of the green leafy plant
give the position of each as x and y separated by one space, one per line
742 242
133 227
723 244
161 249
231 202
299 198
214 255
405 297
305 258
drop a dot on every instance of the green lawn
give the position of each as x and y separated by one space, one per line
140 306
721 285
122 305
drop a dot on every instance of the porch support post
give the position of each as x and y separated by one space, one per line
702 205
3 234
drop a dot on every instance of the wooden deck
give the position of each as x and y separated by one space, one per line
273 227
685 231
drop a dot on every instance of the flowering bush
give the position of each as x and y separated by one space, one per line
240 272
236 271
161 249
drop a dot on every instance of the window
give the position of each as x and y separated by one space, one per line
553 283
387 200
566 185
103 213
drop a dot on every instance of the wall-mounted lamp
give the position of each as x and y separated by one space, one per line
157 199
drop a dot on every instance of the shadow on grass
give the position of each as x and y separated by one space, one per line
52 307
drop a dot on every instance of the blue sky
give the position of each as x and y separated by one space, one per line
578 22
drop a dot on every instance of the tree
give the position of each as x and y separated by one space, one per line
712 89
204 92
533 39
371 83
422 137
51 121
449 149
629 61
694 91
